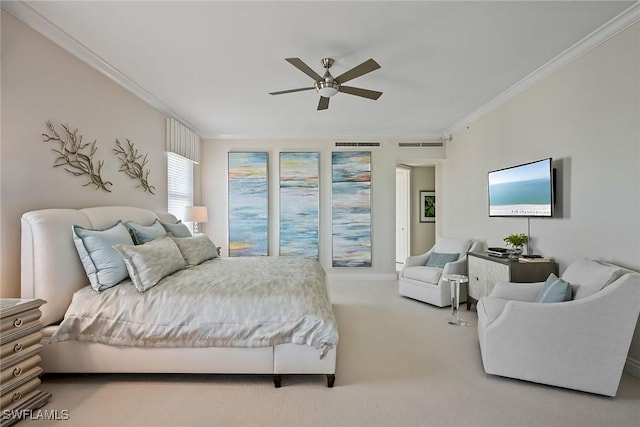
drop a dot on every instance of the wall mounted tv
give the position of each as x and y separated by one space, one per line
525 190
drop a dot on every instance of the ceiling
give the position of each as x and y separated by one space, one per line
212 64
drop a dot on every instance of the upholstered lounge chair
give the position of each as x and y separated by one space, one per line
422 275
580 344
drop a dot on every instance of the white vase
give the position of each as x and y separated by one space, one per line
515 252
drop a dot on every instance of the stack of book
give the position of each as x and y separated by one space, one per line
498 252
534 259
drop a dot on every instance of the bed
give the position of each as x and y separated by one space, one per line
52 270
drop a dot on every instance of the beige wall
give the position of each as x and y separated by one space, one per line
423 234
587 117
41 81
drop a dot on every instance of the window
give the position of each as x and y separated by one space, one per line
179 185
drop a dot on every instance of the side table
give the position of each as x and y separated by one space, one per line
19 358
455 280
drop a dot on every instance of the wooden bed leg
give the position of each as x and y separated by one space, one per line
277 381
331 378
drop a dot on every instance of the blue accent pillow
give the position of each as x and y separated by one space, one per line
554 290
102 263
439 260
145 233
178 229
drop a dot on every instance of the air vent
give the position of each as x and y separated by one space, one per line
357 144
419 144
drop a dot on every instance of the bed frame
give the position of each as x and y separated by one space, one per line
52 271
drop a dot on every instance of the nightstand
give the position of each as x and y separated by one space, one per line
20 359
485 271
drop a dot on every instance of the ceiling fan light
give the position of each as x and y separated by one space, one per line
327 89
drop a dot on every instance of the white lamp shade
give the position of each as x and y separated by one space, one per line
196 214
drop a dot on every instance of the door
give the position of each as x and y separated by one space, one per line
402 214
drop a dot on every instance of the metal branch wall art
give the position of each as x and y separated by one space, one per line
76 157
131 165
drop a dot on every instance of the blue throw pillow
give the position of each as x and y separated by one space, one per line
177 230
554 290
145 233
102 263
439 260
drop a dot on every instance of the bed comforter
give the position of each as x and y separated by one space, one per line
224 302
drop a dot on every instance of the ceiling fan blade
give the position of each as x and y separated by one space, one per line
297 62
291 90
366 67
365 93
324 103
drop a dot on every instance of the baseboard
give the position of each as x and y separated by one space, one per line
632 367
363 276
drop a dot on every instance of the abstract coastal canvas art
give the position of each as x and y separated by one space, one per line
299 203
351 208
248 204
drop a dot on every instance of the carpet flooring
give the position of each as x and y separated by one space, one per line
398 364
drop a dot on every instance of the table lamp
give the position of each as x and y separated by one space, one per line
196 214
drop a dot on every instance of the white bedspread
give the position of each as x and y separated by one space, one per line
224 302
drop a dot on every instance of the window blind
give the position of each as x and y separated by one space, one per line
179 185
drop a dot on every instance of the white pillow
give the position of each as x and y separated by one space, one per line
587 276
452 246
196 249
149 263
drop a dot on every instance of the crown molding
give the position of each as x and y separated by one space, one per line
36 21
615 26
330 138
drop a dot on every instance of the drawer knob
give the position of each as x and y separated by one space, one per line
17 372
17 347
17 323
16 396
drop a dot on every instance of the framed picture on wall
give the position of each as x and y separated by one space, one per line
427 206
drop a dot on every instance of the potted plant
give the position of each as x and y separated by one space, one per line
517 241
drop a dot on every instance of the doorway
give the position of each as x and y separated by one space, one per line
403 213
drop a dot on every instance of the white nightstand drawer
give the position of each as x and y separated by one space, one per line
19 369
19 321
19 345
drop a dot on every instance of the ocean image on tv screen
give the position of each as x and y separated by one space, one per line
521 191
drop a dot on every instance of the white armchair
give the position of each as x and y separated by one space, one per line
426 283
580 344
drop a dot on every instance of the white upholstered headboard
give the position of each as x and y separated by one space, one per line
50 265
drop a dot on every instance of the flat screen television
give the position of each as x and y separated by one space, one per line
525 190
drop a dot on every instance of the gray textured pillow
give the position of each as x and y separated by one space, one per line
196 249
145 233
177 230
151 262
102 263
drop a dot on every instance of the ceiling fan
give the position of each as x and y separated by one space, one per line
327 85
